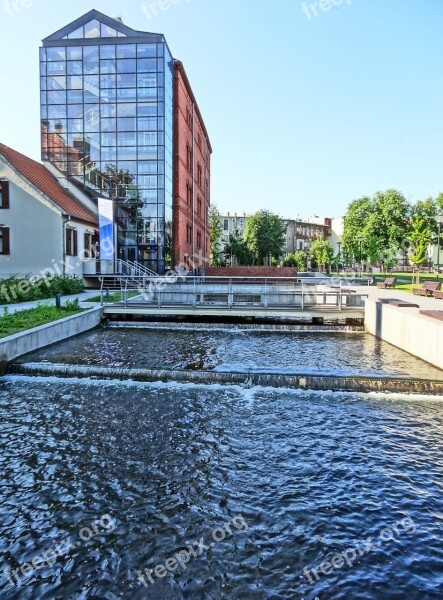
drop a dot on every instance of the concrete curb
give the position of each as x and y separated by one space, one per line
18 344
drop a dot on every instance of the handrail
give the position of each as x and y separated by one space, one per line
134 268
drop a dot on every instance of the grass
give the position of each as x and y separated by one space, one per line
113 297
34 317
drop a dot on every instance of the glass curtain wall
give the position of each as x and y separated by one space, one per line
107 119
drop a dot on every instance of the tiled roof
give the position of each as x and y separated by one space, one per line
39 176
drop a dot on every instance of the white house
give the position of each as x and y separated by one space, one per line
43 226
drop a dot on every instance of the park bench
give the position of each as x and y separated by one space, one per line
438 294
389 282
428 288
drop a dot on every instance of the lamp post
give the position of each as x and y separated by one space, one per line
339 255
360 240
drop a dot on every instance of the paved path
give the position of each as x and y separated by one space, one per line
423 301
83 297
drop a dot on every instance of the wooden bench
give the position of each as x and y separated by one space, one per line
438 294
398 303
434 314
389 282
427 289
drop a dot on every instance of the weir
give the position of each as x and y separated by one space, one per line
301 381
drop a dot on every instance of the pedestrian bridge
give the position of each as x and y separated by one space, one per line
250 298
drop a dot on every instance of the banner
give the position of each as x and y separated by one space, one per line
106 226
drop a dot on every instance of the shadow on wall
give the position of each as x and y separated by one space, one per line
378 318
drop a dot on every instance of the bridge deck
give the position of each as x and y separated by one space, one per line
291 313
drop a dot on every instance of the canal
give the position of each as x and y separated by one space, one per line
133 490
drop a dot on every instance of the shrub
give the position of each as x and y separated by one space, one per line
23 289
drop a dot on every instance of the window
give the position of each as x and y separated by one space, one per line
189 194
90 245
189 233
226 225
199 239
71 242
199 207
188 157
199 174
4 194
4 240
189 118
199 142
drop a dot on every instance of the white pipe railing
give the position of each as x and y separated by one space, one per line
240 292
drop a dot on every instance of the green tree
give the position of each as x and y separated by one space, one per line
237 248
289 261
215 235
356 219
382 222
297 259
322 252
264 236
421 234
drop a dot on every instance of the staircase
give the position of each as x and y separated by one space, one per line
129 275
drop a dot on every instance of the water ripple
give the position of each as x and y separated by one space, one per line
313 475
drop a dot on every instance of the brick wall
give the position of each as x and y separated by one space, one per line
183 209
250 271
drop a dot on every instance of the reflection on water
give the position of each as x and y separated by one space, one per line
238 350
311 474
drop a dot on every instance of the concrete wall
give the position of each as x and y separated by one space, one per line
21 343
406 329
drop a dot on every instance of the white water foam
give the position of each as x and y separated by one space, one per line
247 392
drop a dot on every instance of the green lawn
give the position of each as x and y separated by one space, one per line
404 280
33 317
114 297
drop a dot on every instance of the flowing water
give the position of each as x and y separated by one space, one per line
238 350
167 491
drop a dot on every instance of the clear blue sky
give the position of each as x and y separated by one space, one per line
304 112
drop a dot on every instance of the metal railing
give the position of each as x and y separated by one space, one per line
134 269
276 293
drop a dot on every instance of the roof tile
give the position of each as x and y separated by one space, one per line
39 176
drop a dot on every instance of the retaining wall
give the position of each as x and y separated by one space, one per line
27 341
407 329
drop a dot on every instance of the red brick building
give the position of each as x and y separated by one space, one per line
192 177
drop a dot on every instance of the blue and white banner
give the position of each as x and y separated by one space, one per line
106 226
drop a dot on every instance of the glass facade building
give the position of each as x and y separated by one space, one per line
107 125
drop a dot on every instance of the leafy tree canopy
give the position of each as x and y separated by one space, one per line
264 236
215 234
237 248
